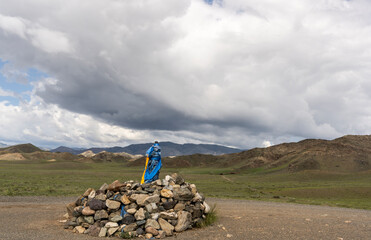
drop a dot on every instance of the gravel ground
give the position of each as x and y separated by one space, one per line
38 218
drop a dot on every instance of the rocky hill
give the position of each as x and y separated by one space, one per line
345 154
168 149
21 148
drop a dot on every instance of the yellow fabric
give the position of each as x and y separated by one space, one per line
145 168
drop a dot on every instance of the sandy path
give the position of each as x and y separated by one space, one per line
37 218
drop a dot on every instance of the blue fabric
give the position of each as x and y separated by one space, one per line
154 163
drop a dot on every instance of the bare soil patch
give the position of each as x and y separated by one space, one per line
38 218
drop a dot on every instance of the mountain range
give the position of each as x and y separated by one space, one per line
167 149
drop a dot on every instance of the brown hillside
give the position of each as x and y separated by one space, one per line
345 154
21 148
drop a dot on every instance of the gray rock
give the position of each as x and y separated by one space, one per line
101 197
184 221
111 225
128 219
111 231
182 194
166 215
152 199
151 207
152 223
116 218
178 179
89 219
103 232
101 214
141 222
112 204
139 198
104 187
179 207
139 215
130 227
140 231
168 205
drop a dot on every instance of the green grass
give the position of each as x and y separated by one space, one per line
308 187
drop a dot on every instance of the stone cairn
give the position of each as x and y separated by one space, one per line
130 209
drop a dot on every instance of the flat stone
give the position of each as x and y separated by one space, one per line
111 231
152 199
111 225
116 218
115 186
179 207
165 226
139 215
184 221
130 227
177 178
139 198
87 211
166 193
104 187
166 215
80 229
112 204
141 222
103 232
101 214
152 223
197 198
152 230
148 236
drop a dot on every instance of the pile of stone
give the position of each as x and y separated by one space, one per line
130 209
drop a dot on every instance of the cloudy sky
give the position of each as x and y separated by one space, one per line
243 73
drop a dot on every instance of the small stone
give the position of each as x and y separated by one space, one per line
101 197
182 194
152 223
167 227
115 186
140 231
91 194
229 235
152 199
128 219
193 189
184 221
158 182
89 219
207 207
139 215
166 193
87 211
141 222
179 207
93 230
111 231
166 215
151 207
112 204
104 187
168 205
70 208
80 229
131 211
151 230
130 227
116 218
197 198
96 204
87 192
125 200
139 198
111 225
101 214
161 234
103 232
148 236
177 178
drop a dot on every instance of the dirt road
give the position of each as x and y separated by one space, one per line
37 218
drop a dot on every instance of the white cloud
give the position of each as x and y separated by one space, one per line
238 73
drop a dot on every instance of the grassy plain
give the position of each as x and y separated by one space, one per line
73 178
